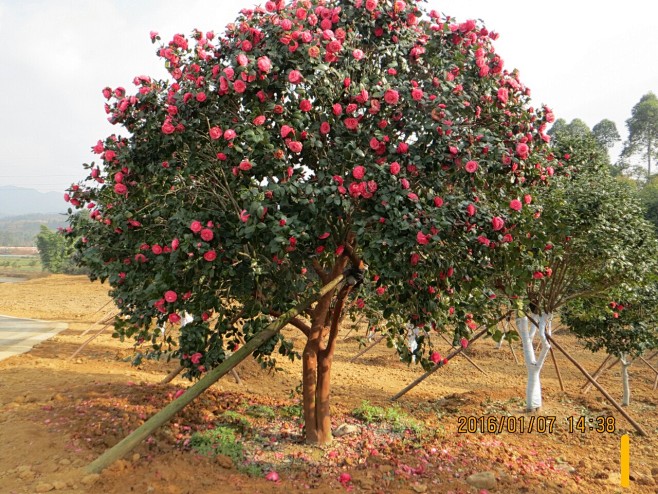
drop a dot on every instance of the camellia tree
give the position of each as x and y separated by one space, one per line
593 240
624 327
311 139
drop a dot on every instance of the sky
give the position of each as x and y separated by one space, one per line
585 59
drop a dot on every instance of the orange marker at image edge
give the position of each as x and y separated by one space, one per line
625 463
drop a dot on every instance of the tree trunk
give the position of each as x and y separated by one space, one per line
626 386
534 364
317 361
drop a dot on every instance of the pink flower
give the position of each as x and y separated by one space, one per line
170 296
391 96
156 249
295 146
215 133
515 204
305 105
417 94
522 150
259 120
371 5
527 198
438 202
351 123
229 134
413 260
244 217
380 290
168 128
538 275
210 256
295 77
196 226
435 357
245 166
174 244
471 166
207 234
464 343
358 172
239 86
394 168
470 210
404 183
285 130
120 189
422 239
242 60
174 318
272 476
325 128
344 478
503 94
264 64
497 223
195 358
358 54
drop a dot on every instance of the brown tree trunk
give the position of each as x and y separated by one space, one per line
317 359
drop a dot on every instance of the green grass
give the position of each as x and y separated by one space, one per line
235 420
223 440
20 266
395 418
261 411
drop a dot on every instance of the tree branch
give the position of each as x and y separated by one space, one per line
298 323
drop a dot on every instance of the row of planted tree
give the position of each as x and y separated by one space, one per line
364 140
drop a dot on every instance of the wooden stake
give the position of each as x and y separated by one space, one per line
368 348
163 416
449 357
465 356
89 340
557 369
513 354
649 365
599 373
170 377
637 426
103 320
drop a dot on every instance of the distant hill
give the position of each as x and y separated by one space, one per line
16 201
19 231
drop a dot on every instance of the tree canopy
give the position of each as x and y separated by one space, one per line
310 138
643 131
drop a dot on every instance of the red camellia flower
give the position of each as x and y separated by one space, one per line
244 217
464 343
470 210
264 64
358 172
215 133
174 318
394 168
295 77
435 357
471 166
196 226
422 239
207 234
527 198
245 166
168 128
497 223
239 86
170 296
156 249
438 202
259 120
391 96
120 189
305 105
351 123
210 256
503 95
295 146
522 150
538 275
325 128
515 204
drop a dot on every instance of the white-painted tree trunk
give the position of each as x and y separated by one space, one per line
626 386
533 363
500 343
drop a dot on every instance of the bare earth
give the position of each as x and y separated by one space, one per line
57 414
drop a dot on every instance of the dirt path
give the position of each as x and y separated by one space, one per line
57 414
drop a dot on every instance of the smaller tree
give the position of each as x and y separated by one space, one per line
56 252
625 327
643 131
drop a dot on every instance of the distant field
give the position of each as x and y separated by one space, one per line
20 265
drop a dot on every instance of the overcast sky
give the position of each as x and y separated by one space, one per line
585 59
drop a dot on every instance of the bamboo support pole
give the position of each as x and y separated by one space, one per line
637 426
163 416
463 354
588 386
368 348
557 369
